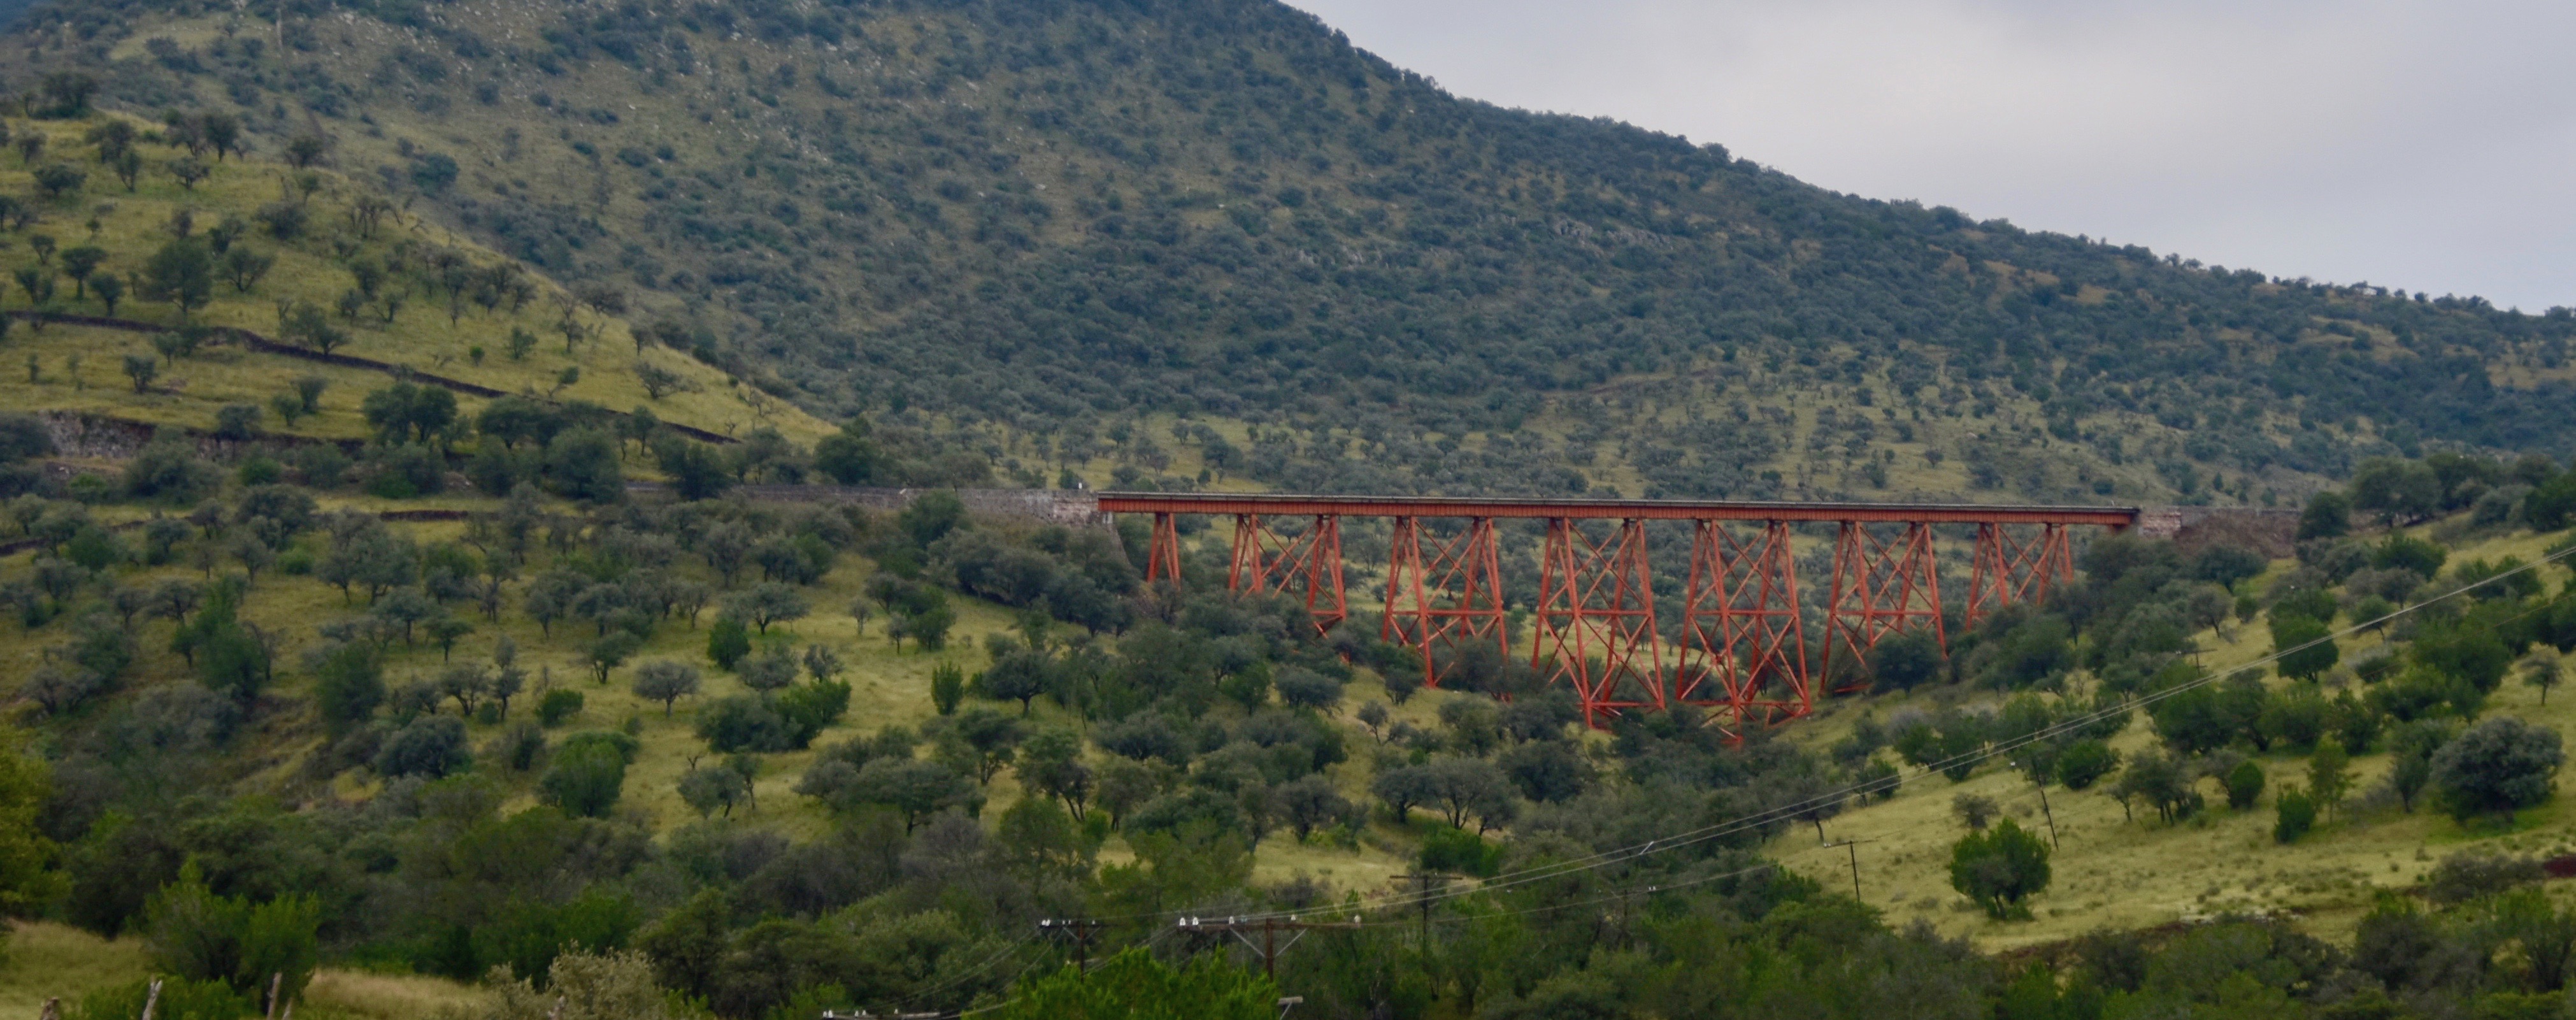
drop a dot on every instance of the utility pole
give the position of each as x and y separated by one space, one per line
1422 881
1081 930
1269 928
2042 783
1852 846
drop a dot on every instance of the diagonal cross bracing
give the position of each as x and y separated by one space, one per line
1744 639
1450 600
1304 564
1881 587
2010 568
1743 648
1596 619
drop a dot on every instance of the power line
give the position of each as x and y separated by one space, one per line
1784 812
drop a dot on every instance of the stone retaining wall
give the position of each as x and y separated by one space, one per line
1075 508
2273 532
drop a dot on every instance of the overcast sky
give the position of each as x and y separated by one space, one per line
2422 144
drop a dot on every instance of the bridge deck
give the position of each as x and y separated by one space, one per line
1267 504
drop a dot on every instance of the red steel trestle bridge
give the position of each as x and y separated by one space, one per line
1744 651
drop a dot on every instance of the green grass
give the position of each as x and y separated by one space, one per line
2116 873
53 961
46 960
130 226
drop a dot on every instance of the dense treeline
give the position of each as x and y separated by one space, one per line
1238 214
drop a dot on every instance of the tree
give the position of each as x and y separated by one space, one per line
1019 676
2244 785
2329 775
1050 762
67 94
947 687
2327 515
1135 986
696 470
2499 766
1905 660
822 663
2397 490
849 456
656 379
666 681
182 273
2295 813
306 324
2467 651
727 642
766 603
306 149
584 985
767 672
914 788
79 264
245 268
110 289
2401 551
403 412
610 652
743 723
2000 869
2543 669
348 683
58 179
582 464
467 682
431 746
2160 782
200 936
983 740
929 627
1311 802
1304 688
444 631
2084 762
708 790
2306 647
1974 811
588 774
141 368
25 786
2551 505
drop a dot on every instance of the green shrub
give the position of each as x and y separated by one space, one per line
727 642
1135 986
181 999
2000 868
200 936
2084 762
2297 813
2244 785
558 706
1453 849
947 687
588 774
260 470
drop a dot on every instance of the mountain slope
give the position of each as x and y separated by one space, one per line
1059 217
273 251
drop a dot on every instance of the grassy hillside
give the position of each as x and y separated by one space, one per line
2115 871
1057 222
300 249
